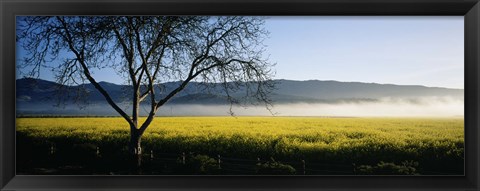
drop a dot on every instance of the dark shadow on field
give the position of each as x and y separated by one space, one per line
63 156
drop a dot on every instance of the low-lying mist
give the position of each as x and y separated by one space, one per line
405 107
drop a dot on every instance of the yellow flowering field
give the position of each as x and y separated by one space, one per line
428 141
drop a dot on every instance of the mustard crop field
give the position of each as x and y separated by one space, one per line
295 145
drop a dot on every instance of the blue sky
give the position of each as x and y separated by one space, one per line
399 50
413 50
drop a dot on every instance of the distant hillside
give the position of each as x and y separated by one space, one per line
357 90
286 91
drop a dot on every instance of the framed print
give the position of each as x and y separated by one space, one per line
239 95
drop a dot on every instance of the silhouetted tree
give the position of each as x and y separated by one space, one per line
147 51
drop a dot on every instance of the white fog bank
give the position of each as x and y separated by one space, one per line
440 107
418 107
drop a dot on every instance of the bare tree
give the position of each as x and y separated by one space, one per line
147 51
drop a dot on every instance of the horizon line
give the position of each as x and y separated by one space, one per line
279 79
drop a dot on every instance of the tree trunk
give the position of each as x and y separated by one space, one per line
135 146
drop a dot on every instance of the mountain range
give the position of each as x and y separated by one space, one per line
35 91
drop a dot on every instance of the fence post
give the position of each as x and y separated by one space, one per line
354 169
183 157
98 151
303 166
219 162
52 149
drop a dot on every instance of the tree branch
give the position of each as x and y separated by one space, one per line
87 74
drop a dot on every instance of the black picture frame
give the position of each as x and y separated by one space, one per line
470 9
